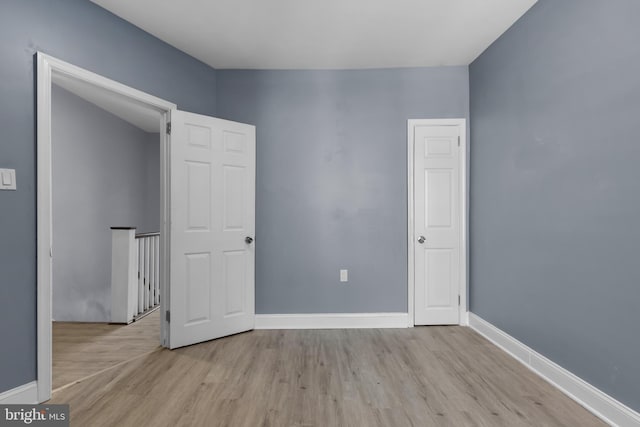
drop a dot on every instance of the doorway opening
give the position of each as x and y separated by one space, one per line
106 228
86 183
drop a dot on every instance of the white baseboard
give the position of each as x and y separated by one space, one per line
26 394
599 403
332 321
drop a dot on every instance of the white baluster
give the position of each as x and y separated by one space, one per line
152 270
157 292
140 275
146 273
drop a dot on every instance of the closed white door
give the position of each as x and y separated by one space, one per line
212 204
437 225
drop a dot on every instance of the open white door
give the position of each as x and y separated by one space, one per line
212 205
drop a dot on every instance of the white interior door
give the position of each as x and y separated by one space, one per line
437 245
212 205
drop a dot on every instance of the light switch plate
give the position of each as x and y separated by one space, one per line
344 275
7 179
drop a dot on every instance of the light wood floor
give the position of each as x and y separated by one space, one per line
436 376
83 349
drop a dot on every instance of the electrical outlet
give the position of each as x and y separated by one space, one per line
344 275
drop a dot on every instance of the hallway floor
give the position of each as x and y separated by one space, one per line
84 349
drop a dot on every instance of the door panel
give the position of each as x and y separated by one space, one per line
212 212
234 183
235 276
197 290
199 195
438 263
437 219
438 188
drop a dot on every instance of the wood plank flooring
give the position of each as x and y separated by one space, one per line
423 376
83 349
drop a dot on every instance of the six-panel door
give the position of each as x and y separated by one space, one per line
437 224
212 213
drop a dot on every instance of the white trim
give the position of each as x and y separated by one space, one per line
331 321
44 229
411 125
599 403
26 394
411 271
64 68
47 67
464 318
165 226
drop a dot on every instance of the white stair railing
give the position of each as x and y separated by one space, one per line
135 274
148 246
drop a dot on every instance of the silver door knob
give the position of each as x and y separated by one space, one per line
248 240
421 240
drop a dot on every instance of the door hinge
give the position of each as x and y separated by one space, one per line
168 128
167 316
458 140
458 299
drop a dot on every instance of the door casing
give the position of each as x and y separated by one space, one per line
48 68
464 255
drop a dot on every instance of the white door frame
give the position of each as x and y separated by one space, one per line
47 68
462 125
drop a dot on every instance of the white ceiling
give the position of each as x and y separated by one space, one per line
324 34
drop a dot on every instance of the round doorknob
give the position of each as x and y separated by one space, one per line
248 240
421 239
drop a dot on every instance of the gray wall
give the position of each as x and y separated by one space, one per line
90 37
555 108
102 177
152 192
331 179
